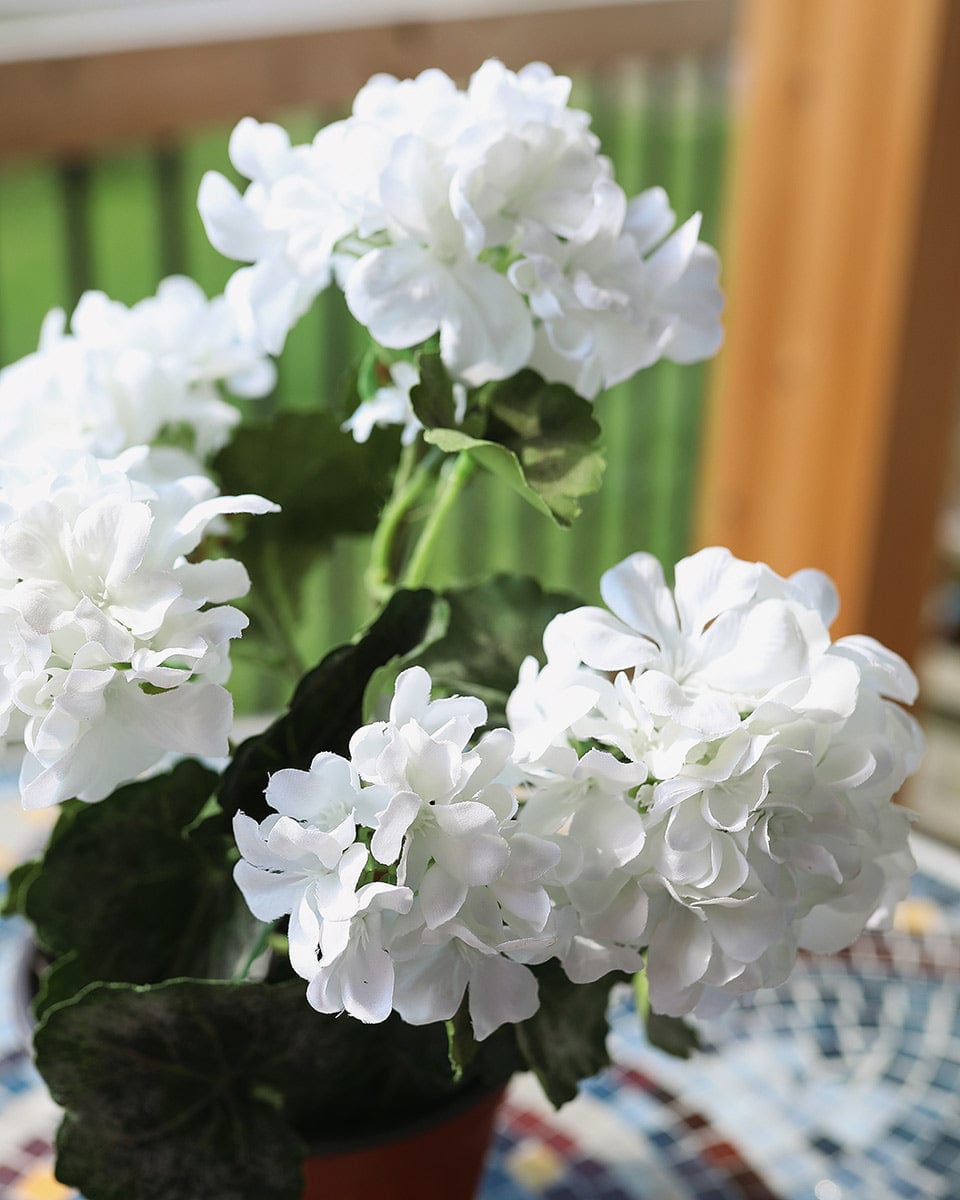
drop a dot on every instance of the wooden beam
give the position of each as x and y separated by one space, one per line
79 105
833 410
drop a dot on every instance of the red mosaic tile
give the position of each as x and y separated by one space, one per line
720 1153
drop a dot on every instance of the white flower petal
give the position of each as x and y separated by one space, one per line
635 591
709 582
883 670
398 293
395 822
230 224
501 992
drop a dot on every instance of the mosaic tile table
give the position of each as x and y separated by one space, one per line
844 1084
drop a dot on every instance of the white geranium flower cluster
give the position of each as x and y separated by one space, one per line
717 773
699 779
486 216
115 643
408 879
123 376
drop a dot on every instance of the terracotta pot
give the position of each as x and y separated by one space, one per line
440 1158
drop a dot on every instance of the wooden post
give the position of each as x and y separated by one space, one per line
832 416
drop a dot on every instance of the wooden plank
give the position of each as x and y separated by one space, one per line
832 413
75 105
55 30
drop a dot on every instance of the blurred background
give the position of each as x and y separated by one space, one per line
817 137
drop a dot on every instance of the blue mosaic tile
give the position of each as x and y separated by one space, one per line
908 1190
942 1156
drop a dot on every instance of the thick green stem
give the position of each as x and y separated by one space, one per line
409 486
452 482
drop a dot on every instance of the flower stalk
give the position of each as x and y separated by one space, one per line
386 548
453 479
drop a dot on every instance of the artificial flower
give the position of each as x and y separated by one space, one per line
487 217
119 641
123 377
759 760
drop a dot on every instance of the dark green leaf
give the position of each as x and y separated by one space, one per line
132 893
432 398
379 687
492 628
499 460
673 1035
541 439
18 881
554 434
480 637
201 1089
168 1092
565 1041
326 708
326 483
60 981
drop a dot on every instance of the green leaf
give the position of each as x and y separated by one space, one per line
132 894
326 708
479 638
541 439
327 485
18 881
674 1035
565 1041
193 1088
497 459
432 398
167 1092
60 981
379 688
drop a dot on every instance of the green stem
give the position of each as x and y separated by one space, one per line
405 467
409 485
452 482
